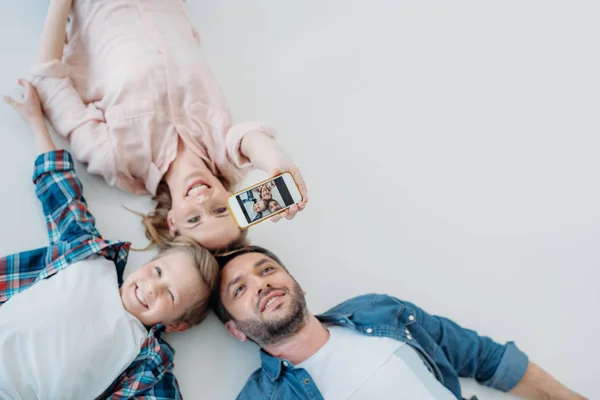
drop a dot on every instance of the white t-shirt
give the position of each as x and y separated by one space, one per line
357 367
68 336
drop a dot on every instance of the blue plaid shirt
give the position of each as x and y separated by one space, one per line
74 237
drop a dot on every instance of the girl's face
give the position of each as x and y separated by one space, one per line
199 203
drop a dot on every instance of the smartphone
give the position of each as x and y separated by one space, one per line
263 200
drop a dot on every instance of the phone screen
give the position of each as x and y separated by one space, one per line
261 201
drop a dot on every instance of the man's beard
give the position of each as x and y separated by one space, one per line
269 333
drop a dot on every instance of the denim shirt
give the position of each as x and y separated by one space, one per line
448 350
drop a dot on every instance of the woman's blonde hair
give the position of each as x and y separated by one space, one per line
156 223
207 266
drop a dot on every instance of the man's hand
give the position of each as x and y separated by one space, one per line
31 107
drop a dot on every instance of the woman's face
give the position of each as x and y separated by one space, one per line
266 193
199 203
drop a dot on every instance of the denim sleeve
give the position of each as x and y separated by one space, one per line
61 194
498 366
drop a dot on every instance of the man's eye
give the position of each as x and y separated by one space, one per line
238 291
193 220
221 210
268 269
158 271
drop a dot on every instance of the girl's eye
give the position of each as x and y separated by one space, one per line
158 271
172 297
220 210
193 220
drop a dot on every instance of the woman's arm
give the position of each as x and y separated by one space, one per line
54 33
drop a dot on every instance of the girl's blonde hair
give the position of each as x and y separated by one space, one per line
207 266
156 223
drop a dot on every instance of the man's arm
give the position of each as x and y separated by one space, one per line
501 367
537 384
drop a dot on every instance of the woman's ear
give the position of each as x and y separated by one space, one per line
172 227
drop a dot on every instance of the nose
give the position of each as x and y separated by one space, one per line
153 288
263 287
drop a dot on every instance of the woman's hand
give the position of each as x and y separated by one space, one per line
291 212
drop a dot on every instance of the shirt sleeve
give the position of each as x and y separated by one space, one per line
83 125
498 366
61 194
234 137
167 388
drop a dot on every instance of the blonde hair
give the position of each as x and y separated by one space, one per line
156 223
207 266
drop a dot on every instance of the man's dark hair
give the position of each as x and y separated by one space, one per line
217 304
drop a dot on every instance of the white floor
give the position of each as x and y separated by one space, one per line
451 153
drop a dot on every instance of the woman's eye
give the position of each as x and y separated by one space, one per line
158 271
193 220
221 210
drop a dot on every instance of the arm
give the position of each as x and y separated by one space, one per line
54 33
501 367
84 125
265 154
537 384
57 186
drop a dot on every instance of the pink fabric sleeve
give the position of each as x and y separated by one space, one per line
84 126
235 135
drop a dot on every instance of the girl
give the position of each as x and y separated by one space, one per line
139 106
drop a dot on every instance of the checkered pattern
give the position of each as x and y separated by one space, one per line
74 237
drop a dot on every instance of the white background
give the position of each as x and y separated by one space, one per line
451 155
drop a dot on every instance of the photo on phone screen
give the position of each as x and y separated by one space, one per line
264 200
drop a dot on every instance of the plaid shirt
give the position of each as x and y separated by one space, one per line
74 237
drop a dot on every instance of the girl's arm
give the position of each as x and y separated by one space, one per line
265 154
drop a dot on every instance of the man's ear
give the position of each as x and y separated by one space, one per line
172 227
177 327
235 332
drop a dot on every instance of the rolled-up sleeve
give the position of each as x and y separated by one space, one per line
499 366
84 125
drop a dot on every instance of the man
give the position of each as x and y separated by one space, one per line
369 347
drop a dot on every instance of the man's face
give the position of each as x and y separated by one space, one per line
266 303
274 206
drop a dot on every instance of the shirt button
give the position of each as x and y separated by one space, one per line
369 330
306 381
411 318
285 364
409 337
342 321
407 332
